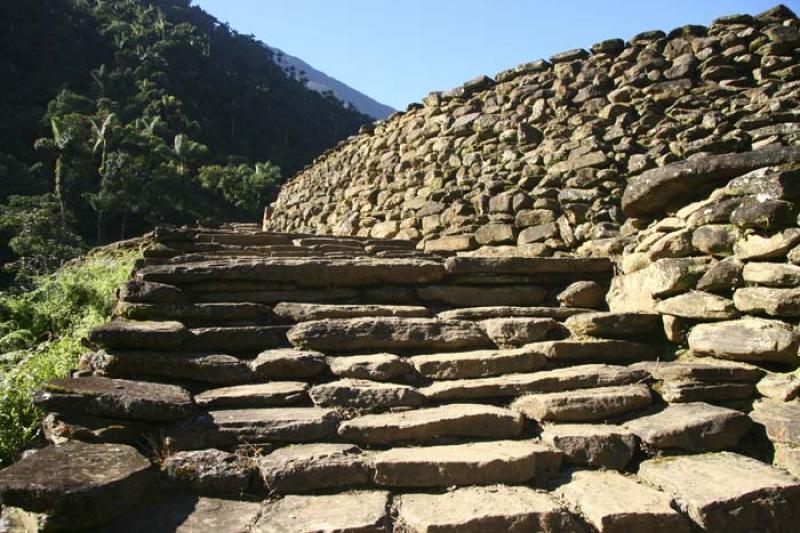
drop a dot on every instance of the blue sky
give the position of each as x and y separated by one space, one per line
397 51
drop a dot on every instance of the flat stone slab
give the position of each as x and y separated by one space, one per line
613 502
216 369
116 398
562 379
714 487
768 301
478 363
275 393
483 313
476 463
77 485
376 367
528 265
348 512
287 363
305 272
60 428
473 295
492 508
237 338
211 473
221 429
594 351
704 391
772 274
781 420
612 325
387 333
135 335
511 332
747 339
303 312
452 420
694 426
198 314
783 387
308 467
584 405
705 369
698 305
366 394
596 445
184 513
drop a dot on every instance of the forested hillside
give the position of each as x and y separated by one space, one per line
120 114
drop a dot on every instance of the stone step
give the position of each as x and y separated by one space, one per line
275 296
237 339
76 485
702 369
228 428
780 419
347 512
197 315
310 467
212 473
562 379
515 332
306 272
116 398
529 265
303 312
613 502
486 312
477 463
697 427
375 367
288 364
493 508
594 351
584 405
713 487
704 391
613 325
474 295
387 333
420 425
595 445
210 368
144 335
276 393
477 364
365 394
60 428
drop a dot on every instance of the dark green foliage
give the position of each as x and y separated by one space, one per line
138 112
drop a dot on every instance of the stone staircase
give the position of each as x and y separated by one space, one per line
270 382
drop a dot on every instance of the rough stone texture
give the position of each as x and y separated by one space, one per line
596 445
309 467
285 363
303 312
347 512
482 313
702 369
613 502
509 332
772 274
781 420
713 487
768 301
589 294
453 420
584 405
470 296
699 305
477 463
695 427
594 350
479 363
783 387
341 335
376 367
477 509
60 428
612 325
276 393
366 394
116 398
212 473
746 339
788 458
77 485
130 335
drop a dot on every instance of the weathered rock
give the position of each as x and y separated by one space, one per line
593 350
347 512
366 394
60 428
474 509
703 370
308 467
715 486
612 325
130 335
343 335
691 426
276 393
145 292
783 387
756 247
596 445
510 332
589 294
715 239
303 312
466 295
768 301
116 398
476 463
613 502
637 292
453 420
584 405
528 265
698 305
788 458
211 472
285 363
199 314
237 339
772 274
479 363
704 391
722 277
746 339
781 420
376 367
217 369
77 485
483 313
762 213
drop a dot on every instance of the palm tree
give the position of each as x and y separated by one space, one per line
102 133
58 146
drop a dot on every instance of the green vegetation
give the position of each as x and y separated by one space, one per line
40 336
122 114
